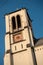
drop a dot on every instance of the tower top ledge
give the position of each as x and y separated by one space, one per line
16 11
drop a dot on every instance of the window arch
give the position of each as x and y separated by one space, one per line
18 21
13 22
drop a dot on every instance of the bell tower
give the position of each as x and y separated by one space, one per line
18 39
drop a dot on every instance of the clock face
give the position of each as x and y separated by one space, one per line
18 37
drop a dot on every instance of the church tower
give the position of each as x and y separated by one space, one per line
18 39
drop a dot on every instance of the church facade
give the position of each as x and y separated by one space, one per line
20 45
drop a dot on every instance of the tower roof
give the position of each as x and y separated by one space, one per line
39 42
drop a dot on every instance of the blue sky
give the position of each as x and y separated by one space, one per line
35 10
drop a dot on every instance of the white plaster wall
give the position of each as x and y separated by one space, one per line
39 55
26 35
23 58
7 23
7 59
7 42
18 46
11 38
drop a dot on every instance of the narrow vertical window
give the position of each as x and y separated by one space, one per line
18 21
13 22
21 45
15 48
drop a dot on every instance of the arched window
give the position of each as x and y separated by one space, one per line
13 22
18 21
